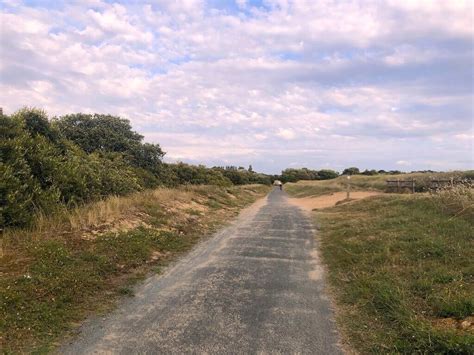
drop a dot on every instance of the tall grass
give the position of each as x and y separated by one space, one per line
457 201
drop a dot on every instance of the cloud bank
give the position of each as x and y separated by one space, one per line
274 84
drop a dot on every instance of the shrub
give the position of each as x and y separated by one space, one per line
39 170
326 174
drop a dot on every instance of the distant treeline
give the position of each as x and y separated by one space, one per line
78 158
294 175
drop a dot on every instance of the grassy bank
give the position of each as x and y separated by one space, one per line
371 183
400 269
77 263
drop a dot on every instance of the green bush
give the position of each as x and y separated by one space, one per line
40 169
21 192
197 175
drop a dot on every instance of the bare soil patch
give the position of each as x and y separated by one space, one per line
466 324
329 200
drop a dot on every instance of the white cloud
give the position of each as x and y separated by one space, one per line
287 134
345 77
403 163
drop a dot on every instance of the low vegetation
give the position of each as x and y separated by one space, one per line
79 261
369 183
400 267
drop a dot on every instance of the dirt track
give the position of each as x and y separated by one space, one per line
312 203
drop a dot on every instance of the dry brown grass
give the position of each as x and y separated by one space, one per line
456 201
121 213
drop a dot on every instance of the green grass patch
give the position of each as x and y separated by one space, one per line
61 284
400 268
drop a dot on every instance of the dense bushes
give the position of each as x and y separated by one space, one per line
181 173
241 176
80 158
39 169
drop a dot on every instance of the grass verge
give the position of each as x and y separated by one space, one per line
78 263
400 268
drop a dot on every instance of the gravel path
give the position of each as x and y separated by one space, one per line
254 287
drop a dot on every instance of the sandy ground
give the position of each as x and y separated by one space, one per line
330 200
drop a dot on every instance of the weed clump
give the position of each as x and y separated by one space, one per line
456 201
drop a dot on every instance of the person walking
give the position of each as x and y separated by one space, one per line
279 184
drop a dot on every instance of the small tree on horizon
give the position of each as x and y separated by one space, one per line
351 171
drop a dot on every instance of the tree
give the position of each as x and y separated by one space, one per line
351 171
326 174
106 133
369 172
36 122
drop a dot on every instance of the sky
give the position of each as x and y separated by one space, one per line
271 83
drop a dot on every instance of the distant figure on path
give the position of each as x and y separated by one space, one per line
278 183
